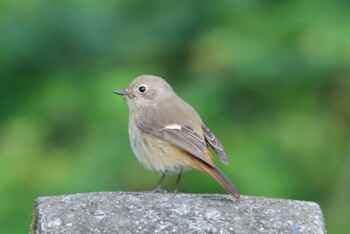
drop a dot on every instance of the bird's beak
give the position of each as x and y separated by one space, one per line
121 92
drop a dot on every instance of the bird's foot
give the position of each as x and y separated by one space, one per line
158 189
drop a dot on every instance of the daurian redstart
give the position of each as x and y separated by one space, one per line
167 134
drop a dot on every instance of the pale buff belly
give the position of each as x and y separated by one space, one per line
156 154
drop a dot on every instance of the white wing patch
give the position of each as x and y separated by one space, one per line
173 126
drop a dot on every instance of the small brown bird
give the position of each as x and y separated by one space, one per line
167 134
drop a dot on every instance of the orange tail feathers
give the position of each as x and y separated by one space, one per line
222 179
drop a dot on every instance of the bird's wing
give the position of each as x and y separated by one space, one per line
184 137
215 144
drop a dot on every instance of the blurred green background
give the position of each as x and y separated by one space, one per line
270 79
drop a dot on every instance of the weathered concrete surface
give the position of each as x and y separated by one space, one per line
121 212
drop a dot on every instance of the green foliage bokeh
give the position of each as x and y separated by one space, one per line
270 79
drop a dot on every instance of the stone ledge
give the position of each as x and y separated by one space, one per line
146 212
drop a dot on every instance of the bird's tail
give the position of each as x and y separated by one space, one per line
222 179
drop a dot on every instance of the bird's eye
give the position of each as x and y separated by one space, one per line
142 88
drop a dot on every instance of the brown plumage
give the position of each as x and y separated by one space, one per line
167 134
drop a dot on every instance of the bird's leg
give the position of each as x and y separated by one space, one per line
177 182
158 189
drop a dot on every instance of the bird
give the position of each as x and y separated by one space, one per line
167 135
